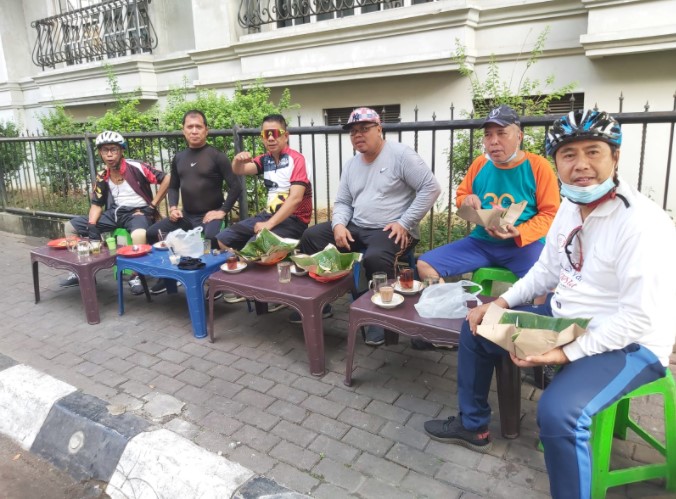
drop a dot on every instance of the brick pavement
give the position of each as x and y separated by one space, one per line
250 396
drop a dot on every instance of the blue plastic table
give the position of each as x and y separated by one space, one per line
157 264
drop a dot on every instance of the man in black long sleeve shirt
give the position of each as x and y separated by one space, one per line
198 174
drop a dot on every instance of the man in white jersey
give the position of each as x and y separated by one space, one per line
385 190
609 256
121 198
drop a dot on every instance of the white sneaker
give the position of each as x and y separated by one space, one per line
273 307
136 286
232 298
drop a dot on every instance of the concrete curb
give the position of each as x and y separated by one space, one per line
77 433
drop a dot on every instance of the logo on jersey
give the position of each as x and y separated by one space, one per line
276 201
500 201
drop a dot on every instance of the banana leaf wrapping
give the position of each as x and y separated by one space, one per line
525 334
526 320
327 262
266 247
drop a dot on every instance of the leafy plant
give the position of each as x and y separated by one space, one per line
529 97
62 165
126 116
246 108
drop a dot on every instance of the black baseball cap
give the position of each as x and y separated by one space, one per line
502 115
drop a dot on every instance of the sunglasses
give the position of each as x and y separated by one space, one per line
573 248
272 133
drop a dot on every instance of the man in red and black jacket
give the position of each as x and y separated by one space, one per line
122 198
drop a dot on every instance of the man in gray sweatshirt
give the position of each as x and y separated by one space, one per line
385 191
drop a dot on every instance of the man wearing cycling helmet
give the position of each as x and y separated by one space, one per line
121 198
609 256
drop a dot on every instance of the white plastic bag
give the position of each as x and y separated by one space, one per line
186 243
447 300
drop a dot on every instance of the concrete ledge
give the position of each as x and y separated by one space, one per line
31 225
163 464
77 433
81 437
27 396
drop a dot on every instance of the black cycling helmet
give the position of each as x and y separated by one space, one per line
583 125
109 137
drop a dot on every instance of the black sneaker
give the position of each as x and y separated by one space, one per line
451 431
158 288
70 281
420 344
295 318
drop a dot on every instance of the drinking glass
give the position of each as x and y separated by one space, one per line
406 278
232 262
378 279
112 245
71 242
284 271
95 247
386 294
83 248
430 281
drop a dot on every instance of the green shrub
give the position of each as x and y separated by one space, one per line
529 98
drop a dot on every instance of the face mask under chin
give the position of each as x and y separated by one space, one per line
587 194
508 160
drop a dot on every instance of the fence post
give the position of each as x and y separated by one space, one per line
91 159
243 204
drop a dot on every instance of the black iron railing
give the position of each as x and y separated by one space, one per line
254 13
49 175
112 28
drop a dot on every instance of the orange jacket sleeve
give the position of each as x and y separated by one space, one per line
548 200
465 187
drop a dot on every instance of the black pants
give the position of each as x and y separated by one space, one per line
122 218
381 254
237 235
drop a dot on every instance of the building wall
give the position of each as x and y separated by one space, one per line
397 56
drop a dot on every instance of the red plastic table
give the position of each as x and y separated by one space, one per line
303 294
85 269
405 320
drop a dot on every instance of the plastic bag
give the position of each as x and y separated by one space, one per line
186 243
447 301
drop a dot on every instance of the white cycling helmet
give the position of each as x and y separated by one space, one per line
109 137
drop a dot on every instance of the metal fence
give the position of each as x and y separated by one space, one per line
52 176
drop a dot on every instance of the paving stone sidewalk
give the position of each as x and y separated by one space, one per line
249 396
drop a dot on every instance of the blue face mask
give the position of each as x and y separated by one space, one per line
587 194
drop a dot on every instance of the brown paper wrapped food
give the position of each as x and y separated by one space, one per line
525 333
493 217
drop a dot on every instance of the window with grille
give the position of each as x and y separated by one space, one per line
389 113
562 105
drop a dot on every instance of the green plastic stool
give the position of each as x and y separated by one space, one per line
485 276
614 421
124 233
